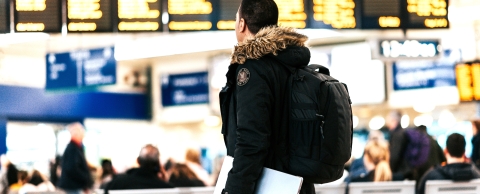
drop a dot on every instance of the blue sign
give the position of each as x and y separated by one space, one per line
184 89
421 74
82 68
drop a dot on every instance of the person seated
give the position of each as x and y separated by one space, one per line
182 176
376 157
22 178
357 168
149 175
37 183
457 168
193 161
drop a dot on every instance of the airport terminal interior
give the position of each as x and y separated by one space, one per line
138 72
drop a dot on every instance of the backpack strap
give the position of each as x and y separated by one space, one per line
319 68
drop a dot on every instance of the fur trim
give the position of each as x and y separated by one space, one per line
269 40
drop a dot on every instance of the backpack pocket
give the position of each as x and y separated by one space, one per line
305 138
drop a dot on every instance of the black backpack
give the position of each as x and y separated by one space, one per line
320 131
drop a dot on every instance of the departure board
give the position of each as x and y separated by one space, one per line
37 15
378 14
427 13
227 13
4 16
139 15
468 81
189 15
333 14
89 16
291 13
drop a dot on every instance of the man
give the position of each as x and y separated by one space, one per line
435 156
475 157
253 105
457 168
75 177
397 142
150 175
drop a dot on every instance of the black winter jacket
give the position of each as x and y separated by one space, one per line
75 172
455 172
254 108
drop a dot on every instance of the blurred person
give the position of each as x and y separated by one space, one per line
75 177
357 168
149 175
37 182
22 178
108 172
397 143
376 161
183 176
8 174
253 102
435 156
193 161
475 156
457 168
55 170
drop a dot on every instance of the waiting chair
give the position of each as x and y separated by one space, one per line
448 186
394 187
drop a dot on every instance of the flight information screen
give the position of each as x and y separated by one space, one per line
189 15
378 14
139 15
227 13
427 13
89 16
333 14
468 81
38 15
4 16
291 13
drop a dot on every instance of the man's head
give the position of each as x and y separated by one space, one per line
149 157
254 15
393 119
77 131
455 146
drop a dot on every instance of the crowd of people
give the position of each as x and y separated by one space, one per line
412 154
72 174
393 154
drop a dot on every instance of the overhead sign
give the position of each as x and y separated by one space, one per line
184 89
427 14
378 14
139 15
336 14
468 81
422 74
82 68
4 16
190 15
38 16
409 48
89 16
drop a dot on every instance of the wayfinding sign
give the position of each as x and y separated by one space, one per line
81 68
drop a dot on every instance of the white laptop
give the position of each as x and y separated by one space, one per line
271 181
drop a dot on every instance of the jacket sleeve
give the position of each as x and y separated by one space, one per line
73 166
254 106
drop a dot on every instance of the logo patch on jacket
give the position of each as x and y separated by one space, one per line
243 77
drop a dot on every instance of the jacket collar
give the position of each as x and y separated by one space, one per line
269 40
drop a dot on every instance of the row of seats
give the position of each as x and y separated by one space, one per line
395 187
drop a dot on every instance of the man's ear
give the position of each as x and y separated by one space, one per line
242 26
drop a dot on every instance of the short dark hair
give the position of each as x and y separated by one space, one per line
258 14
149 157
456 145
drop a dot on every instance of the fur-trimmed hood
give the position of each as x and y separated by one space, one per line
282 42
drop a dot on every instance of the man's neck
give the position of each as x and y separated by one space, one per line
452 160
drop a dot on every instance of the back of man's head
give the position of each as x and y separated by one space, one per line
456 145
149 157
258 14
77 131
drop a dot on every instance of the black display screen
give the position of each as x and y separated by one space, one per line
139 15
37 15
89 16
4 16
